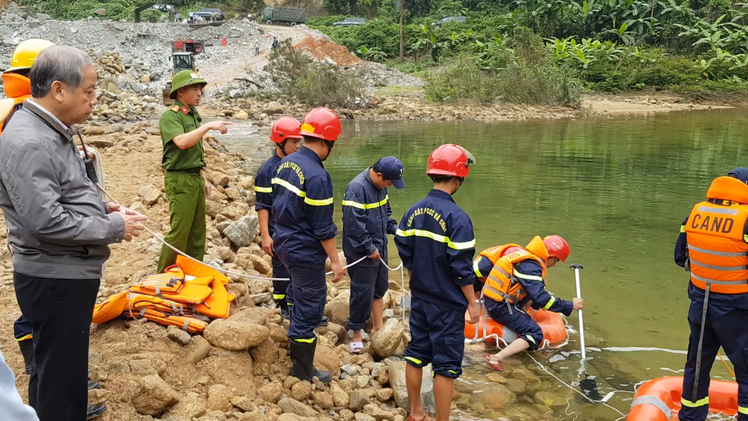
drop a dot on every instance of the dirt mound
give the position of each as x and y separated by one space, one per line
321 49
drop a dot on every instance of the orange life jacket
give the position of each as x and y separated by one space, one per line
18 88
186 295
493 254
502 284
717 248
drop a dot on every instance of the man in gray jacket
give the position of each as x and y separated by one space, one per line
59 229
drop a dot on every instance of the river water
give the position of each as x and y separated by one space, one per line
617 189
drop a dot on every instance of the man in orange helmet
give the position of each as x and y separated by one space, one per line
517 280
16 82
436 244
286 134
305 235
713 247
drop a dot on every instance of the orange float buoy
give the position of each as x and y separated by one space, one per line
659 399
552 325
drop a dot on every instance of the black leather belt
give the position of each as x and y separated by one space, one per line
189 170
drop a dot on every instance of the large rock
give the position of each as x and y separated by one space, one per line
292 406
235 365
190 406
149 194
339 331
255 316
338 309
260 264
219 398
234 335
498 395
386 341
327 359
339 396
549 399
266 353
323 399
178 335
301 391
154 396
396 374
378 413
271 392
241 115
359 399
197 349
242 232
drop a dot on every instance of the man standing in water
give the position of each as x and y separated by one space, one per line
436 244
713 245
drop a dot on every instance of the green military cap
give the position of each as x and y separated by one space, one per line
185 78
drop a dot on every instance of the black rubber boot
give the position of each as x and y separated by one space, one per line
27 350
302 356
324 321
283 305
94 411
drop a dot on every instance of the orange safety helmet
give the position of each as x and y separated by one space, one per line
450 160
557 247
321 123
285 128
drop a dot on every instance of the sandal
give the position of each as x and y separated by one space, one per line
356 347
425 418
495 365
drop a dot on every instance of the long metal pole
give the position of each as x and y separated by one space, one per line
581 319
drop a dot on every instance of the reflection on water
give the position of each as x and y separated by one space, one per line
617 189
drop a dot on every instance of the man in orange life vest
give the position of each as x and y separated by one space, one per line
17 86
713 245
517 280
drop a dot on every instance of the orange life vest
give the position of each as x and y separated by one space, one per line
717 249
18 88
502 284
493 254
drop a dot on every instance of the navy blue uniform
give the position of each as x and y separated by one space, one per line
726 320
529 274
302 210
436 242
366 222
264 193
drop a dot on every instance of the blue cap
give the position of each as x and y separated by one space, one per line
391 169
741 173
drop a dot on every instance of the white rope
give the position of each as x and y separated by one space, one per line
542 367
229 272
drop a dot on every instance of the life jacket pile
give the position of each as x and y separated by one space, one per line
187 295
501 283
717 249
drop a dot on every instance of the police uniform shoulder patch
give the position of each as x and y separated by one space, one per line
185 110
175 108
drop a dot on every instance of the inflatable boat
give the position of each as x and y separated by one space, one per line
659 399
488 330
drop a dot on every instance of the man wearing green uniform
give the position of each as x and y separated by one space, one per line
183 160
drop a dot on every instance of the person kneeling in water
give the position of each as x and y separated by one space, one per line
515 281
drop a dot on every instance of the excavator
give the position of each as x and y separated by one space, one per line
166 8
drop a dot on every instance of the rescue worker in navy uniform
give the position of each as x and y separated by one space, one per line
515 282
366 222
305 234
286 134
436 244
713 246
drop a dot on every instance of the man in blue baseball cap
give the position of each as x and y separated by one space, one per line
367 219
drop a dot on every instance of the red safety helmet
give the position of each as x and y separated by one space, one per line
557 247
285 128
321 123
451 160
